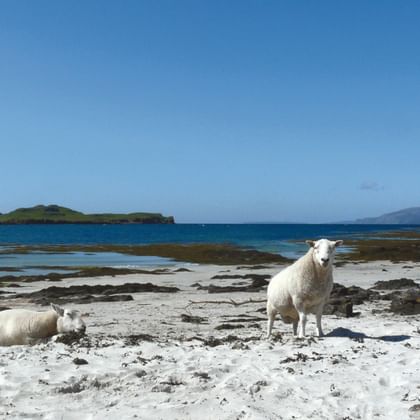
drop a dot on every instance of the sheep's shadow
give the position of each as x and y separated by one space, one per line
359 336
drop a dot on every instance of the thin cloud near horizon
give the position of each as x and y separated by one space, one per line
371 186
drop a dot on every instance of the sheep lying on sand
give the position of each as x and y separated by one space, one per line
303 288
20 326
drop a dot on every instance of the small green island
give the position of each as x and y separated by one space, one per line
54 214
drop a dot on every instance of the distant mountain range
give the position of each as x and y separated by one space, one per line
409 216
53 214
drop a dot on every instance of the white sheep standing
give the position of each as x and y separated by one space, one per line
21 326
303 288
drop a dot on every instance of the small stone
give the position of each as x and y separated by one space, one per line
261 383
238 345
162 388
78 361
202 375
140 373
253 389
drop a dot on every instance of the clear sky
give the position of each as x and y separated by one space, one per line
211 111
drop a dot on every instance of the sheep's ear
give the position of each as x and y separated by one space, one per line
338 243
58 309
310 243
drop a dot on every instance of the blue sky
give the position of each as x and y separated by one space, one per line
211 111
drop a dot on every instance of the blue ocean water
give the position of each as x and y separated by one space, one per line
36 263
277 238
242 234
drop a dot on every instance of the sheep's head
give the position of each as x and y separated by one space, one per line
324 251
68 320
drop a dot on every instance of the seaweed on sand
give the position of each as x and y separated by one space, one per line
221 254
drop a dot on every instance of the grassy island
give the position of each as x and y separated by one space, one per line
53 214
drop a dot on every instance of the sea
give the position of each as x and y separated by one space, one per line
284 239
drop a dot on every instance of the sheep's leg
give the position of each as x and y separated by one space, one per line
318 323
302 324
270 325
271 313
295 327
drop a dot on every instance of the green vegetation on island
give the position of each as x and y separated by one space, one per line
53 214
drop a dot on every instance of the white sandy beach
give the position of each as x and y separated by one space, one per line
367 367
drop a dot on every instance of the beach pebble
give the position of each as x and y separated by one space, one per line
238 345
261 383
71 389
253 389
162 388
140 373
202 375
78 361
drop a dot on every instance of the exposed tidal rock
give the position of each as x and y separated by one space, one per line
402 283
257 285
55 292
80 273
343 298
82 299
407 302
135 339
244 276
193 319
253 267
341 307
356 295
229 326
182 270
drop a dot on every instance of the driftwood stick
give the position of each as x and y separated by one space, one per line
225 302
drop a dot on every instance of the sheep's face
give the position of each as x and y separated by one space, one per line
324 251
68 320
72 322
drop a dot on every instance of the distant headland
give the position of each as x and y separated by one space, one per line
410 216
54 214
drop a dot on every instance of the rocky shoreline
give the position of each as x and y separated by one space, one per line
404 294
